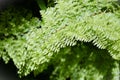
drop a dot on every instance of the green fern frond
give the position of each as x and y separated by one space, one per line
64 25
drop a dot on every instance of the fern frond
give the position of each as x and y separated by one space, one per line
68 22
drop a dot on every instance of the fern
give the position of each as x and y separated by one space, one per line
56 43
87 25
81 62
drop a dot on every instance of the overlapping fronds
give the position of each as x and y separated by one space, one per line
69 21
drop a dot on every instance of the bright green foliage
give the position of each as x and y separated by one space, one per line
14 25
102 28
65 41
83 61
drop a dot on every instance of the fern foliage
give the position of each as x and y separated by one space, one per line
105 35
80 38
